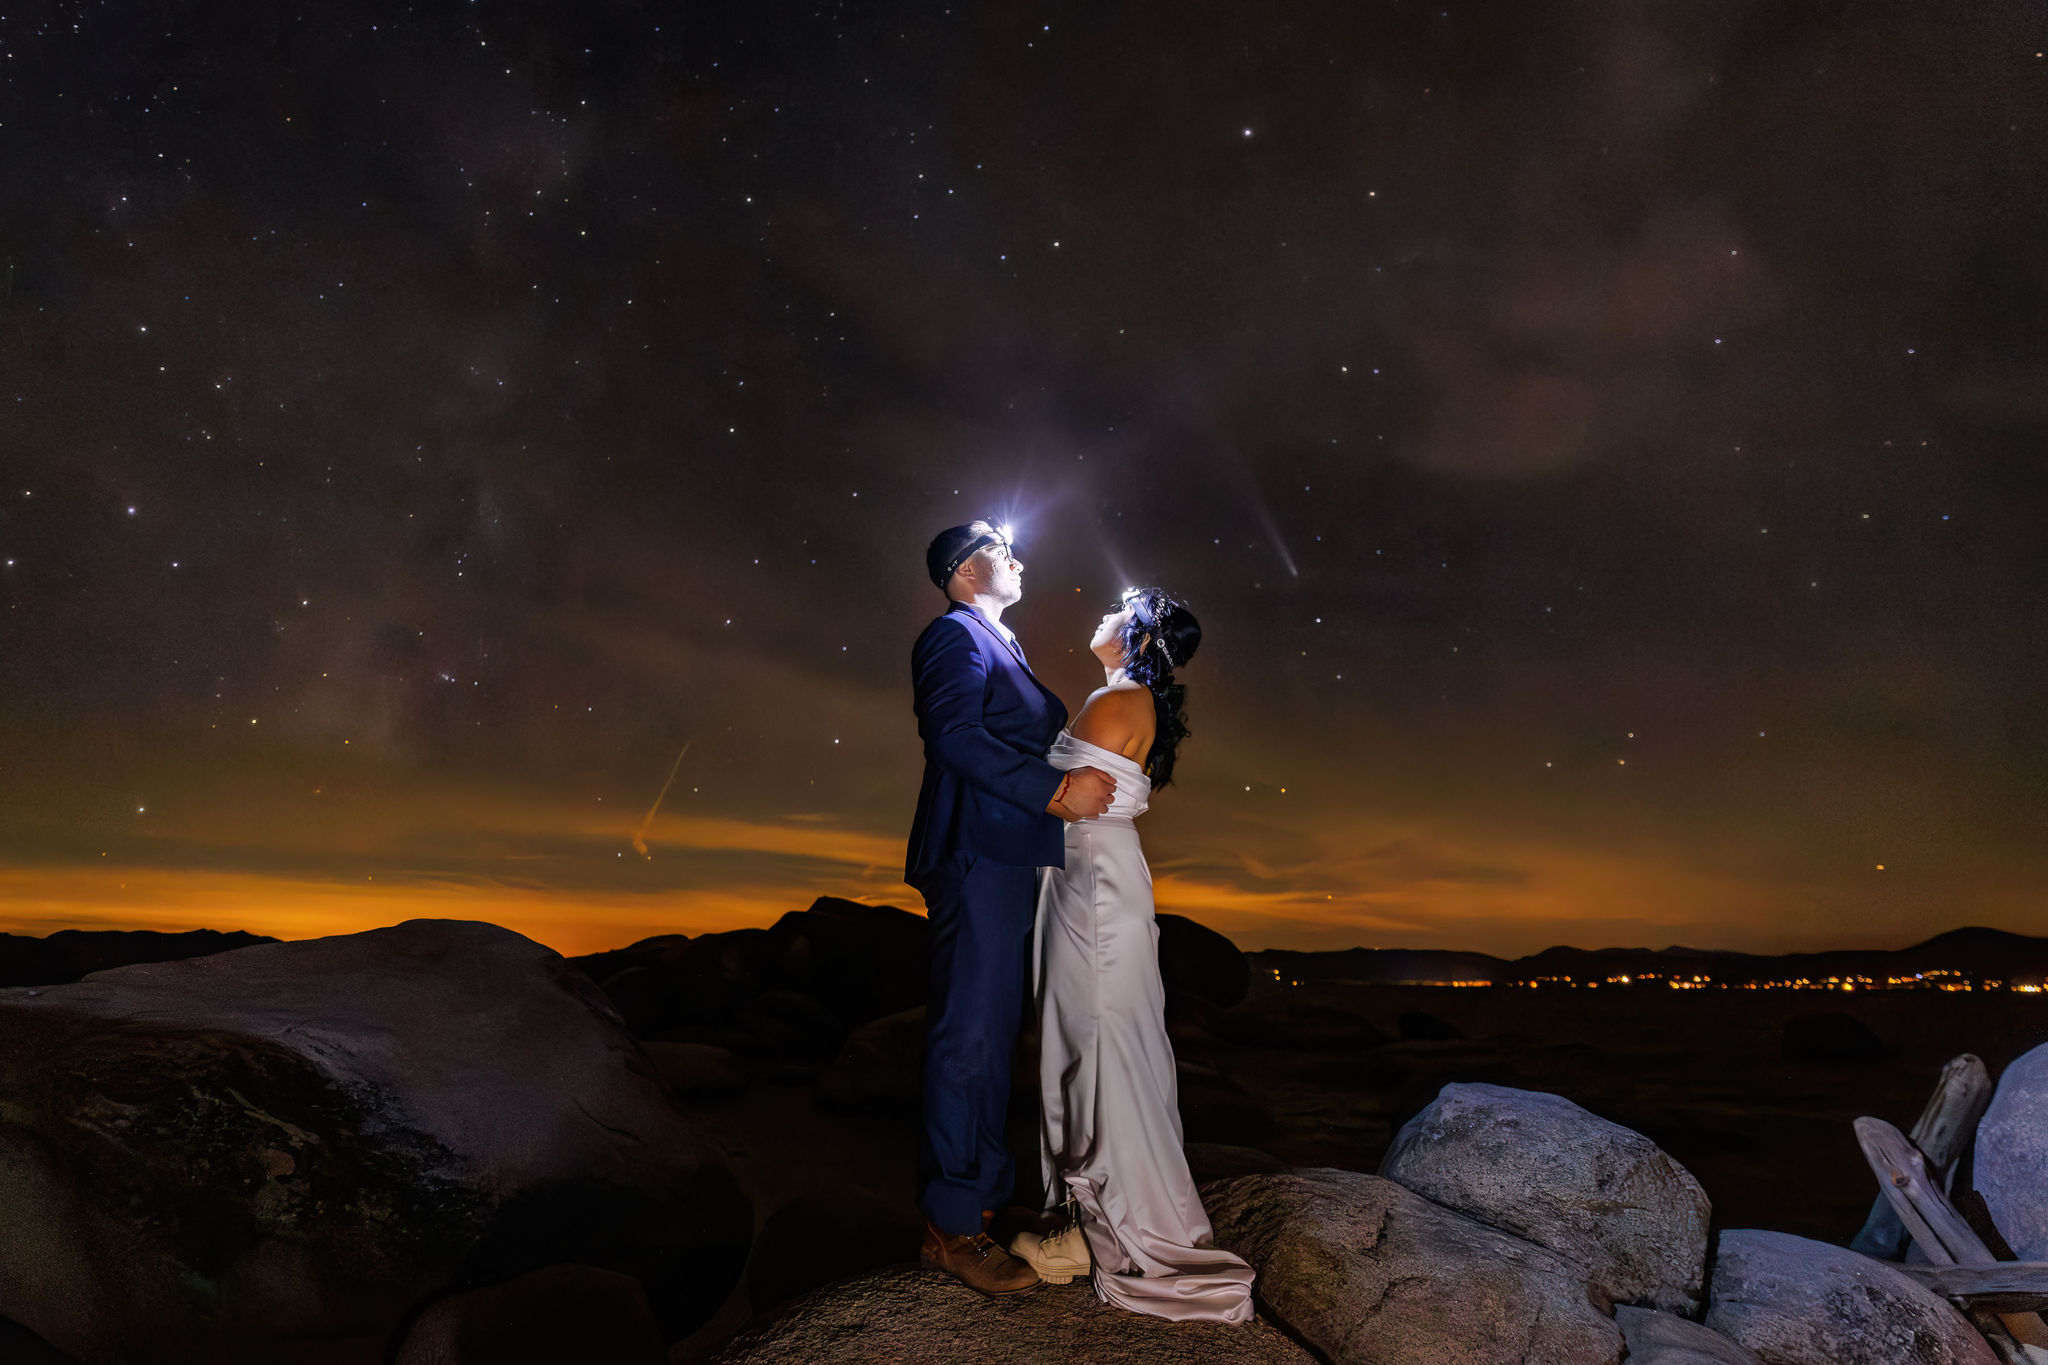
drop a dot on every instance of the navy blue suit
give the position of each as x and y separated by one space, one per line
980 836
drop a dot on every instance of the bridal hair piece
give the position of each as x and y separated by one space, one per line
1161 635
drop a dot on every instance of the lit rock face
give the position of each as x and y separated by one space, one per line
1603 1197
1792 1301
276 1153
891 1317
1656 1338
2012 1153
1369 1273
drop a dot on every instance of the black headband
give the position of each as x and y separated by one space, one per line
978 543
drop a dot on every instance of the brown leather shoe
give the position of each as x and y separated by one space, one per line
976 1262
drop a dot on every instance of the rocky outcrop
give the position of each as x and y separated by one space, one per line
563 1313
851 963
826 1235
1656 1338
698 1071
861 961
1369 1273
1289 1022
1209 1161
1538 1166
1214 1108
2012 1153
1792 1301
879 1069
897 1316
1419 1027
276 1153
1196 961
1831 1039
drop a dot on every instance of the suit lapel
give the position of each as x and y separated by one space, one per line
1015 651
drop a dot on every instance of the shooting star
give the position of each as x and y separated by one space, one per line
640 834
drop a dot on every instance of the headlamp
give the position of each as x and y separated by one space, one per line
999 536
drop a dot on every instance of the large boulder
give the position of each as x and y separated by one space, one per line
2012 1152
698 1071
1830 1039
859 962
830 1234
1290 1022
276 1153
1656 1338
1214 1108
1195 960
661 950
895 1316
1369 1273
1209 1161
862 961
672 982
879 1069
1798 1302
789 1025
546 1317
1419 1026
1602 1196
19 1346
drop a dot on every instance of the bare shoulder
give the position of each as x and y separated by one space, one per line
1118 718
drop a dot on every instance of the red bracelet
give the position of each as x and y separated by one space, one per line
1061 793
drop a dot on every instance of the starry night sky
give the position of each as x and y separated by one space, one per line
1603 443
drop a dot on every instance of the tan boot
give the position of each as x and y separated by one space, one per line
1057 1257
976 1262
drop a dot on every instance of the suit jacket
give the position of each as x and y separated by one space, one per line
986 722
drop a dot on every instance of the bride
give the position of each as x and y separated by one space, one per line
1111 1133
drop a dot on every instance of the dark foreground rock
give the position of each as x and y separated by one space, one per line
1287 1021
549 1317
277 1153
896 1317
19 1346
1196 961
698 1071
1656 1338
862 961
822 1236
879 1069
1369 1273
2012 1153
1214 1108
1831 1039
1209 1161
1798 1302
1419 1027
857 962
1539 1166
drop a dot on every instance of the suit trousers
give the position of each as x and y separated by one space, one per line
981 916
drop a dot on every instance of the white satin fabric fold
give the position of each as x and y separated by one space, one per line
1111 1133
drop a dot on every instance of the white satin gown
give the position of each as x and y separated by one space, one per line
1111 1133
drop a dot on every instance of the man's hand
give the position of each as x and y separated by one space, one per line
1085 794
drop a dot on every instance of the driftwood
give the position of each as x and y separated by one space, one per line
2002 1286
1943 1235
1941 1132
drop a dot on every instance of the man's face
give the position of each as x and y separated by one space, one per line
1004 574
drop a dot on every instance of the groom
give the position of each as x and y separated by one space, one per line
988 817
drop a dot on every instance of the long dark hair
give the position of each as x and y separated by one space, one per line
1160 636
